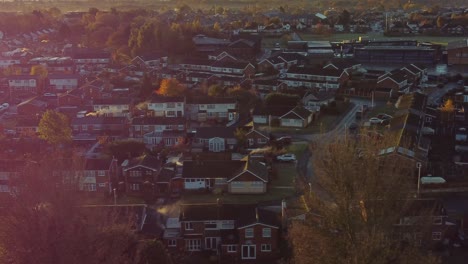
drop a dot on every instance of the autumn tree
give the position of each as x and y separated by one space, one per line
171 87
45 224
40 71
215 90
54 128
362 194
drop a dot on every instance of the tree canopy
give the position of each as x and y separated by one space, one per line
54 128
362 195
171 87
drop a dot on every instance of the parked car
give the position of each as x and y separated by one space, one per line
284 140
375 121
353 126
384 116
286 157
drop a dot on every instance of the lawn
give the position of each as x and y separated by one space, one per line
384 109
286 174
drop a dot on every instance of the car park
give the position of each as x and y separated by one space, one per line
286 157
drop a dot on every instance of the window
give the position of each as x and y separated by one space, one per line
232 248
266 247
101 173
188 226
170 105
436 235
148 172
211 242
170 113
249 232
210 225
172 243
89 187
211 106
135 187
102 185
193 244
437 220
266 232
227 225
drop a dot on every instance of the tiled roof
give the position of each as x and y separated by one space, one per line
211 168
230 64
211 132
158 121
97 164
242 214
146 160
95 120
211 100
166 99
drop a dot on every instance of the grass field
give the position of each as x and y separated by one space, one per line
349 36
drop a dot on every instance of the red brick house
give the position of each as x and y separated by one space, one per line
236 233
397 82
136 172
256 139
98 175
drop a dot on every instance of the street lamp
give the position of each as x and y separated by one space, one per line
310 189
115 196
419 165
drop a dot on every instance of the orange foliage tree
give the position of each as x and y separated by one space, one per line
170 87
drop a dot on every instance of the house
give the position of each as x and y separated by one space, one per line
425 221
206 108
416 73
10 169
345 64
252 178
72 97
27 127
85 56
203 175
236 232
313 101
314 78
220 55
457 52
32 107
91 127
222 68
140 126
256 139
264 87
99 175
140 171
297 117
62 82
23 85
167 106
113 107
410 146
396 81
169 181
167 138
242 48
215 139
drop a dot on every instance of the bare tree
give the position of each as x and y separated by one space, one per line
366 193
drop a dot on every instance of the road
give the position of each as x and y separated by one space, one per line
305 164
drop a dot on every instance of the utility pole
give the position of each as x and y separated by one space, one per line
115 196
419 165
